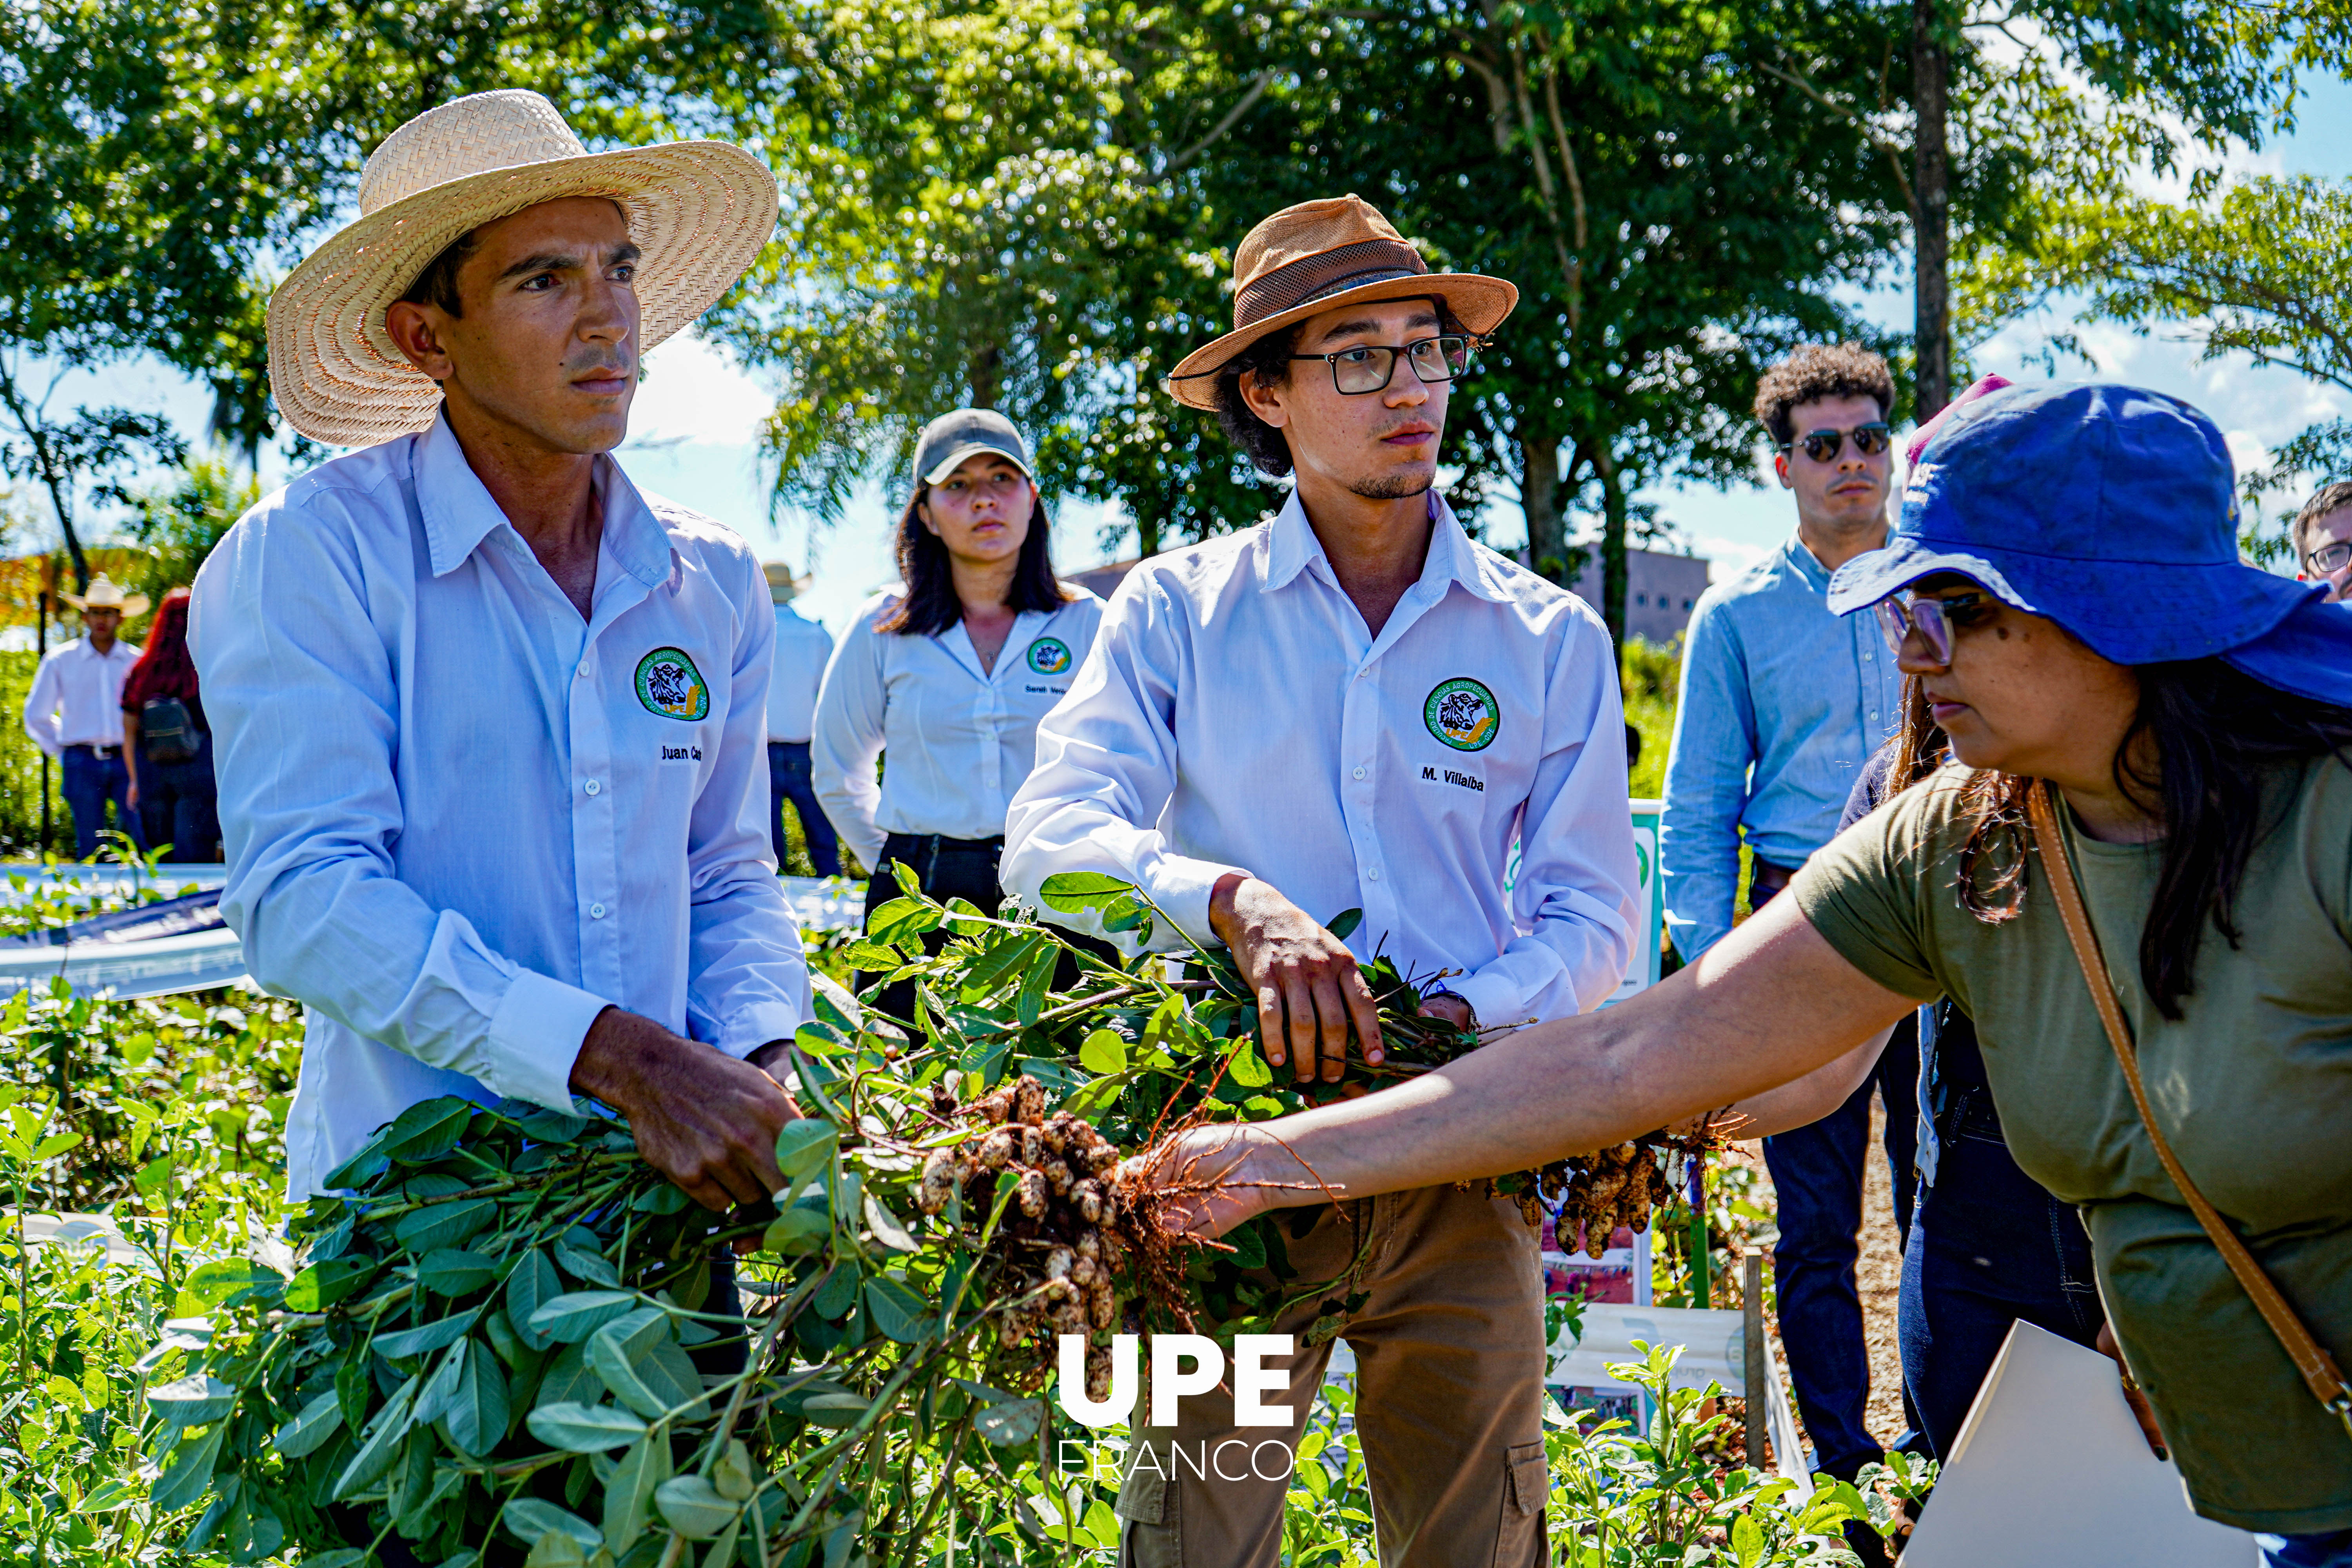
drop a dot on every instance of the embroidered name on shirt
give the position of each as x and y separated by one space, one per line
1431 775
687 754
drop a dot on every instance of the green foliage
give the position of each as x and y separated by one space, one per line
178 523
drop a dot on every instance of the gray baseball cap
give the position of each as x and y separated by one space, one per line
951 437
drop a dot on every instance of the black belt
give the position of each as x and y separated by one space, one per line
907 846
103 753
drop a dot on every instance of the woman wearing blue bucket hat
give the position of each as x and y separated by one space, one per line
2134 872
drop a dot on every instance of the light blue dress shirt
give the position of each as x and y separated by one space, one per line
1781 704
1237 714
461 818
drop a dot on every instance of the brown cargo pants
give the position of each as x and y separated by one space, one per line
1450 1360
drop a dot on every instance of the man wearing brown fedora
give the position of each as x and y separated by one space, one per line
488 719
1355 707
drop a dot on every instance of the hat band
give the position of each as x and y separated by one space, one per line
1313 277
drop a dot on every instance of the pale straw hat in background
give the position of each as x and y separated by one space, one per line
700 211
106 594
1314 257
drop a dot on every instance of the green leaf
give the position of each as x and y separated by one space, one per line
321 1285
1747 1540
590 1267
475 1414
614 1350
447 1271
308 1432
427 1131
796 1232
225 1281
897 1312
108 1496
1244 1067
694 1508
556 1549
803 1145
901 920
887 1228
443 1224
1104 1051
410 1342
1070 891
583 1428
1013 1424
55 1144
532 1517
570 1379
1039 982
835 1409
532 1286
188 1471
1343 924
572 1317
733 1476
1009 956
839 1292
191 1401
629 1495
380 1445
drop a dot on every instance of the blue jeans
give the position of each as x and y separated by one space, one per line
1817 1173
788 779
89 783
180 805
2332 1550
1988 1247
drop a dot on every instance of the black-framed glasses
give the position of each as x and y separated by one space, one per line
2329 557
1824 445
1932 618
1369 367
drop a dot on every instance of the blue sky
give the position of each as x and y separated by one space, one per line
695 428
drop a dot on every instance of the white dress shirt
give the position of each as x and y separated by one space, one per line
801 649
77 696
960 738
1237 715
461 818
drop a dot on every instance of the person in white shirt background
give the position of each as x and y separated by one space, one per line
803 646
488 719
1355 706
947 676
74 712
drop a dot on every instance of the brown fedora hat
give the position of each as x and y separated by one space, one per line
1308 258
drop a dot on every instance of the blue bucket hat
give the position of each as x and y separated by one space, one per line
2111 511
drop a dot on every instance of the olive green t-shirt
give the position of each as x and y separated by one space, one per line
2253 1085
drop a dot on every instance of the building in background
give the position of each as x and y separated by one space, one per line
1660 590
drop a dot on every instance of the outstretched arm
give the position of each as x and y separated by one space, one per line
1770 1003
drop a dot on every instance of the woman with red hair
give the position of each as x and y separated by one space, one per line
167 742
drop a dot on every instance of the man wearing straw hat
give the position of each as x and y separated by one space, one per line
488 719
74 712
1354 706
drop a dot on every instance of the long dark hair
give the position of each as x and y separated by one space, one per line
2218 743
165 668
931 606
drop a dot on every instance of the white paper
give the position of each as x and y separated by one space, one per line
2050 1468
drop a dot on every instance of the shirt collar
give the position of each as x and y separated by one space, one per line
1291 548
1805 564
460 512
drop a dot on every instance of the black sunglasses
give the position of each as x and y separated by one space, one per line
1824 445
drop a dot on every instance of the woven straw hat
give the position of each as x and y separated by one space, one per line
700 211
105 593
1307 260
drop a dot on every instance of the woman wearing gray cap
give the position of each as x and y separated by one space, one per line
950 674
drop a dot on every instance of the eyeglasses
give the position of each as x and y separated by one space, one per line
1368 368
1824 445
2329 557
1933 619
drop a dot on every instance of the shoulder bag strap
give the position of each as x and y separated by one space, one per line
2310 1357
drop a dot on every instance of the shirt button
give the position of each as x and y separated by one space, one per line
587 669
1375 874
595 911
1360 773
592 787
1361 673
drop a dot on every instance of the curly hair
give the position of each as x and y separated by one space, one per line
1268 359
1816 372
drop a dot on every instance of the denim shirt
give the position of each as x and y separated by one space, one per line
1781 704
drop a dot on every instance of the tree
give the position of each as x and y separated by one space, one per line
2260 270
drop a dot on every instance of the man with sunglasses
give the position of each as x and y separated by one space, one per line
2322 539
1353 706
1781 704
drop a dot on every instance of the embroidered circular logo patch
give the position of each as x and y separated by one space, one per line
670 685
1049 656
1462 713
